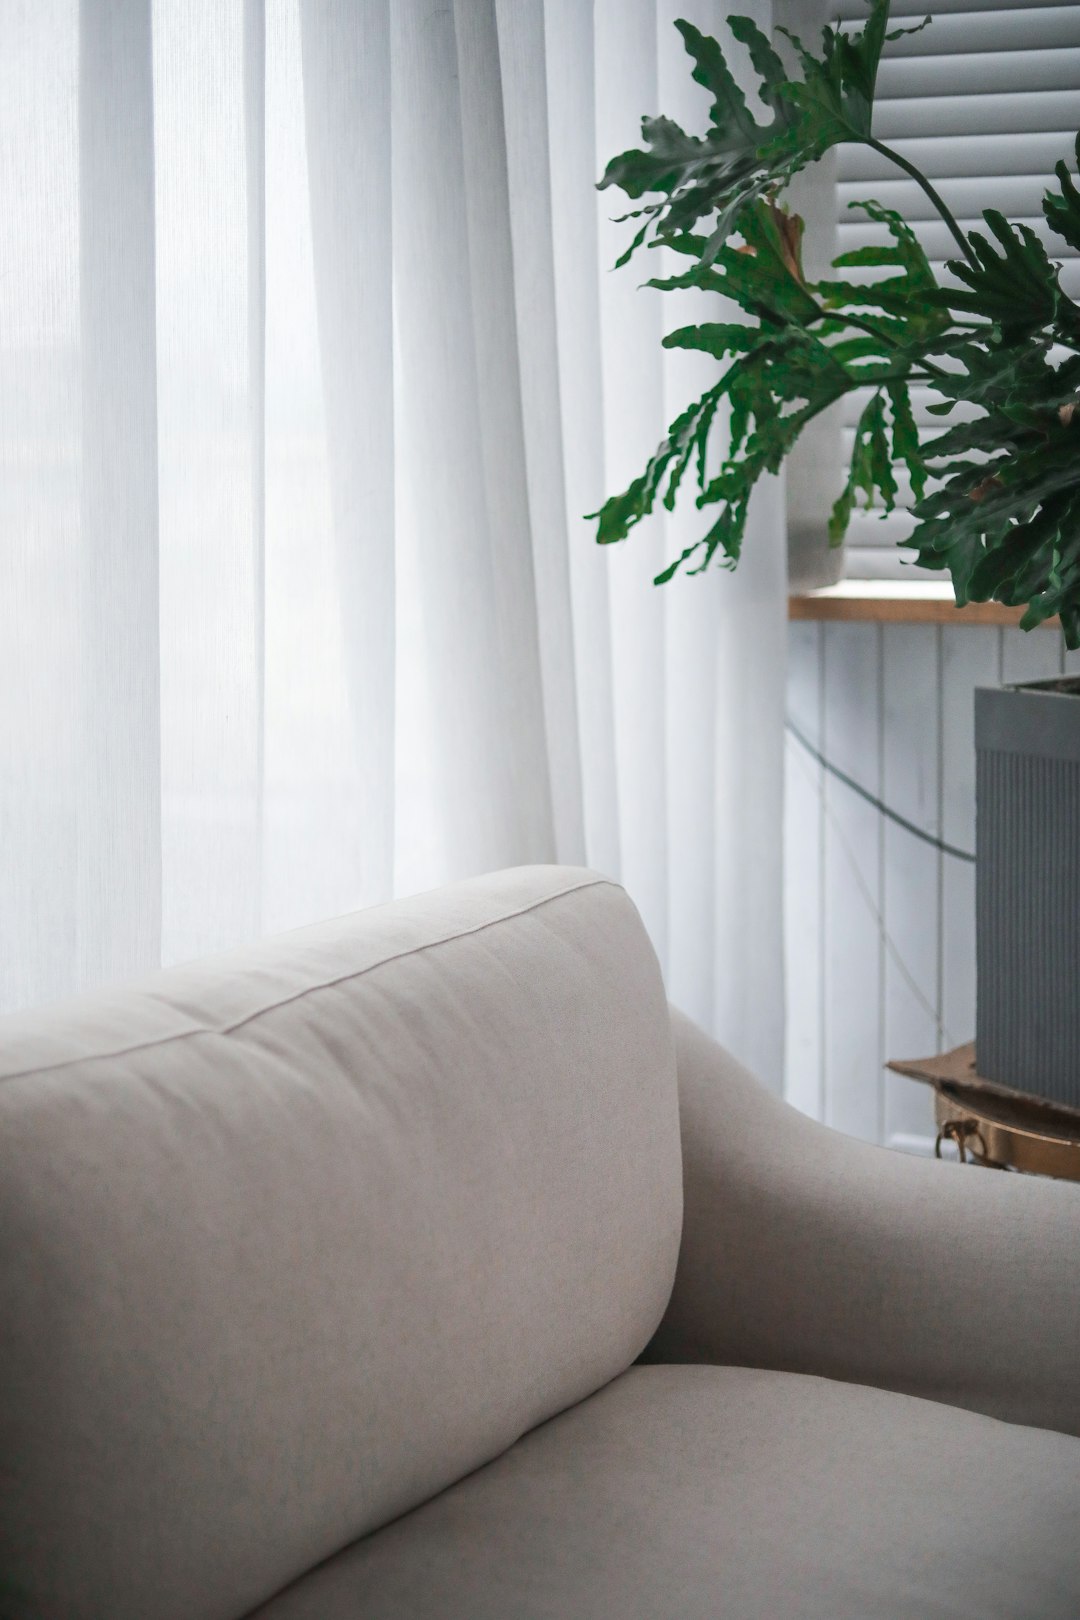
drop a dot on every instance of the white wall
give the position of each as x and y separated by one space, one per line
880 939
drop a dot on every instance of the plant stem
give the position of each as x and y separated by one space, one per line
921 180
894 376
868 326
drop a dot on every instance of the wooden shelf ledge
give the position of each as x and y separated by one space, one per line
880 601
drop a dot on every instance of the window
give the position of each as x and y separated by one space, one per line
985 100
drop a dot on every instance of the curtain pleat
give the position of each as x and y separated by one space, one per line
40 416
254 100
208 181
346 73
726 650
443 484
523 76
631 326
502 434
118 904
571 115
697 610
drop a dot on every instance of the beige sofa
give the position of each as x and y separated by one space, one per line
363 1275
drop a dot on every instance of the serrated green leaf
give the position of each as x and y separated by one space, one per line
621 513
905 437
867 255
740 161
858 348
729 111
1063 213
880 461
758 280
702 278
718 338
901 33
1014 284
769 275
838 88
870 469
977 435
908 246
765 62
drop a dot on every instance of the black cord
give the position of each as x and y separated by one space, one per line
857 787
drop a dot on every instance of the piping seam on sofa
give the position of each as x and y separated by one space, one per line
311 989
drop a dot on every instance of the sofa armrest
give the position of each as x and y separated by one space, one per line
809 1251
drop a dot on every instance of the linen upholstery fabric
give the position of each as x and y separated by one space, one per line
291 1240
806 1250
728 1493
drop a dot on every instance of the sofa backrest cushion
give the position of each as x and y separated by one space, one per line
292 1239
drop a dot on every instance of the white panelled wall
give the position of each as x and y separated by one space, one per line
880 927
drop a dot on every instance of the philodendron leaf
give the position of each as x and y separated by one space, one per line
1013 284
771 262
758 277
870 470
905 437
908 296
779 378
909 253
1006 518
768 66
620 513
714 337
729 113
837 91
1063 212
717 176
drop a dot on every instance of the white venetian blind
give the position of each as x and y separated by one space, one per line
984 101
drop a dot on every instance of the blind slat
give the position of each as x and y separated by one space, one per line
1003 29
1017 195
1023 112
908 10
948 157
937 242
978 73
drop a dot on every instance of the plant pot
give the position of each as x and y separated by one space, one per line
811 490
1027 843
812 561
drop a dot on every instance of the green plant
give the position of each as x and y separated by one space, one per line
998 494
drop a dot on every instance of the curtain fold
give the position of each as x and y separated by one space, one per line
438 219
118 899
310 366
632 371
570 52
724 715
523 73
346 76
40 412
254 106
208 119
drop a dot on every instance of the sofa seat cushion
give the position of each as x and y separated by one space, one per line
725 1493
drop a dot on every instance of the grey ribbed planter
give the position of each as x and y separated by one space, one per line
1027 741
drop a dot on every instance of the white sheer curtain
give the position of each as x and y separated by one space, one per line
310 364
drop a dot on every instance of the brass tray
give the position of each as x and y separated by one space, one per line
993 1126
